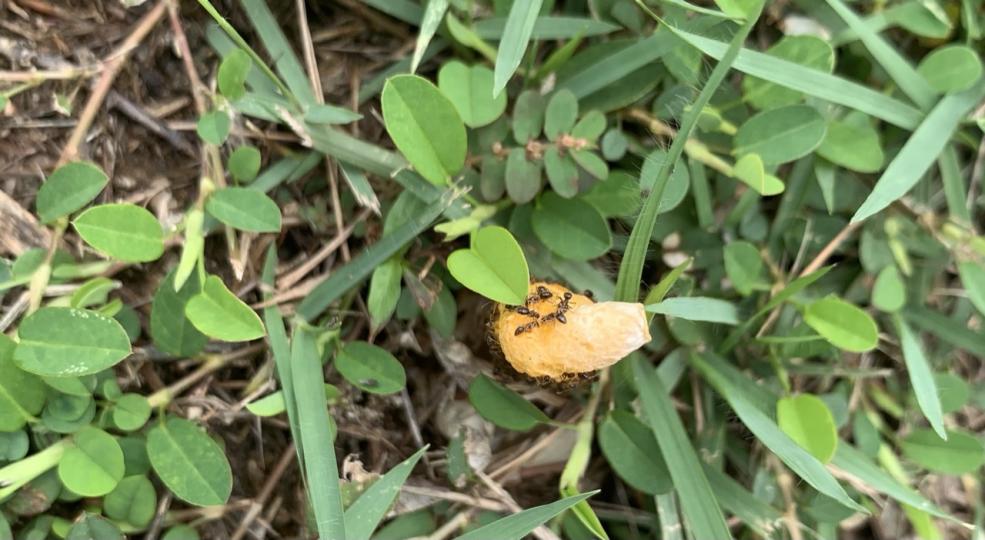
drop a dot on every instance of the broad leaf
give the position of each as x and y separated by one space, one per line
68 189
630 448
844 325
494 266
219 314
370 368
502 406
469 88
22 395
189 462
93 465
781 135
123 231
245 209
69 342
572 228
961 453
808 421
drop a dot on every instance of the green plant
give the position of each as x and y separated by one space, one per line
813 280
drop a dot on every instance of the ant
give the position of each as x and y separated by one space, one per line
588 293
524 310
543 293
525 328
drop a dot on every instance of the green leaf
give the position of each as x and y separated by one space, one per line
920 150
592 163
809 422
370 368
384 291
697 308
244 163
952 390
93 292
677 185
799 460
751 171
494 266
69 342
781 135
68 189
189 462
630 448
443 314
961 453
232 74
618 196
842 324
321 113
744 266
170 329
193 248
973 278
808 51
365 515
548 27
518 525
469 88
951 69
434 12
571 228
316 434
425 126
528 116
123 231
921 376
181 532
219 314
523 178
275 403
245 209
590 127
853 143
561 114
516 36
93 465
562 173
93 527
22 395
889 291
213 127
131 412
134 501
502 406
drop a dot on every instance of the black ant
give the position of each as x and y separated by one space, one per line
525 328
589 294
524 310
543 293
561 318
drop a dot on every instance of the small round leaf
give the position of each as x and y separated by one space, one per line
93 465
68 189
244 163
245 209
131 412
370 368
806 419
494 266
502 406
218 313
951 69
213 127
844 325
469 88
134 501
571 228
123 231
781 135
232 73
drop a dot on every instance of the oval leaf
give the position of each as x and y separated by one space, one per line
68 189
781 135
502 406
469 88
809 422
232 73
951 69
213 127
245 209
631 449
21 394
93 465
189 462
244 163
425 126
217 313
123 231
170 329
571 228
370 368
844 325
134 501
494 266
69 342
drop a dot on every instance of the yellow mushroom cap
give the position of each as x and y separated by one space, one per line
596 335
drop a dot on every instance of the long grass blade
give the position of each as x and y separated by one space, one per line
947 330
518 525
955 191
285 61
345 278
765 429
547 27
910 82
756 514
516 36
433 14
365 515
316 434
920 150
698 501
614 67
812 82
404 10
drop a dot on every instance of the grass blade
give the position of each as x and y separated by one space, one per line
954 189
516 36
855 463
920 150
703 10
433 14
697 308
316 434
909 81
670 519
285 61
405 10
948 330
345 278
812 82
547 27
361 189
281 350
756 514
697 499
612 68
921 376
362 518
765 429
516 526
631 268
